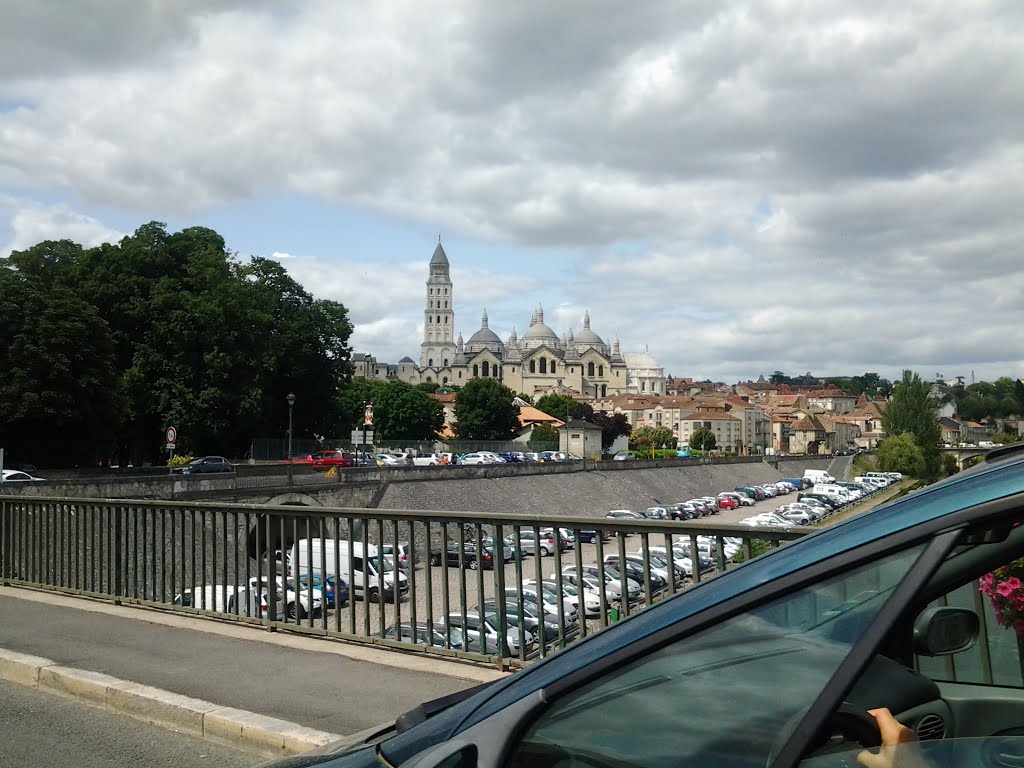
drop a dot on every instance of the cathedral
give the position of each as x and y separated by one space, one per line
535 363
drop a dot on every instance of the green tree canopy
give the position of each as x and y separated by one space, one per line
912 410
544 433
648 436
403 411
562 407
57 388
703 439
428 386
484 411
901 453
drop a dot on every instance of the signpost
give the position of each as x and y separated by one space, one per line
367 424
171 436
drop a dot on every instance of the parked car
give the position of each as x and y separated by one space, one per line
333 589
741 499
426 460
328 458
17 476
535 623
399 553
466 556
725 501
590 535
390 460
624 456
624 514
434 634
206 465
476 458
474 625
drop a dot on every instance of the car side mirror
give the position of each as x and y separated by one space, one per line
944 631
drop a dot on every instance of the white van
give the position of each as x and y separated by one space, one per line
872 482
885 477
818 476
837 492
380 574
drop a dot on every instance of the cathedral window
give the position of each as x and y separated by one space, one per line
439 318
533 366
446 319
446 362
604 390
552 366
430 363
590 369
428 319
543 365
496 372
460 374
476 370
643 386
600 370
487 369
446 305
444 380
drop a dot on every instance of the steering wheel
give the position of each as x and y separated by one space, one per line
854 725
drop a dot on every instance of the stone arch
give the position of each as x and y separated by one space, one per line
294 500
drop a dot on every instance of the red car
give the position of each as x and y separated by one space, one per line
727 502
328 459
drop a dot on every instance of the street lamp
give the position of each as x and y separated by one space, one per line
291 405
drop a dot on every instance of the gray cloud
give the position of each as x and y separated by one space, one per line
744 186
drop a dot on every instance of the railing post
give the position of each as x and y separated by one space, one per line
118 557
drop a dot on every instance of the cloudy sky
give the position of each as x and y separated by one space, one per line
742 187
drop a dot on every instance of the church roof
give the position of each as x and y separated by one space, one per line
587 336
406 359
439 257
485 335
538 330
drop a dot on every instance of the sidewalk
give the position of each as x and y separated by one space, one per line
334 687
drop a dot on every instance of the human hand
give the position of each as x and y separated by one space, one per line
899 745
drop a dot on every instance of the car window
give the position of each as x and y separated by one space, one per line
666 709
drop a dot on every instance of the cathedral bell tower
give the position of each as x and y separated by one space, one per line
438 347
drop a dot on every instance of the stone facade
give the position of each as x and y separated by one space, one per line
582 364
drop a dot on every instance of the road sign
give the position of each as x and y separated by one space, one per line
172 435
358 439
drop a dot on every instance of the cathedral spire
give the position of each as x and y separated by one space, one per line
483 320
586 320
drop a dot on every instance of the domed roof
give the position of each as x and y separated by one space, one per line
538 331
484 338
587 336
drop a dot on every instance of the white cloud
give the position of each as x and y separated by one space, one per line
795 182
32 223
279 255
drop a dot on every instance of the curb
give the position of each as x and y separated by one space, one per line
248 731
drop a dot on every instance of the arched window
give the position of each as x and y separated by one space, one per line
476 370
428 320
487 369
429 379
496 371
600 370
439 318
446 362
430 362
533 366
590 369
444 380
543 365
604 390
446 319
643 386
553 362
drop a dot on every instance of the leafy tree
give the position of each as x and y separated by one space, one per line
648 436
57 388
562 407
403 411
779 378
949 465
544 433
351 401
428 386
1005 438
1018 391
901 453
484 411
912 410
703 439
613 426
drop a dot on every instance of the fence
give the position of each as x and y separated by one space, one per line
275 449
291 567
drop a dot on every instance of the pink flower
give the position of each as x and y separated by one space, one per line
1005 589
1013 582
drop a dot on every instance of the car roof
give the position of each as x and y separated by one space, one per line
987 482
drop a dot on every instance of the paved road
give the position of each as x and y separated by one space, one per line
319 690
42 729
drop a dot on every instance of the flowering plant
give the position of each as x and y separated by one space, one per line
1006 591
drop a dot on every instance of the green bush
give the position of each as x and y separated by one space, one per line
757 547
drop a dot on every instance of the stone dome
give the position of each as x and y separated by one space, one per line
587 336
485 338
539 334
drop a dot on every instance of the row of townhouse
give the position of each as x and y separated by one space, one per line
954 431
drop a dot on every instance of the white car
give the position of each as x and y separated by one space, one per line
17 476
767 518
742 499
390 460
430 460
591 600
591 586
475 458
798 516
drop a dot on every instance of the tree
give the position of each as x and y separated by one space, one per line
949 465
779 378
703 439
57 389
648 437
613 426
1018 391
562 407
1005 438
901 453
484 411
428 386
912 410
544 433
403 411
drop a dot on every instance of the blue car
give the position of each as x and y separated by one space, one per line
916 607
335 590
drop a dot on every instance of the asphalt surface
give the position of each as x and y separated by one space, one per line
325 691
42 729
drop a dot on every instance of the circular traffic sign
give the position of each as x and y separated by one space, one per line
172 435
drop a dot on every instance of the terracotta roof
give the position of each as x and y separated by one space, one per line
530 415
443 397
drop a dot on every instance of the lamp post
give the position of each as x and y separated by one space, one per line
291 405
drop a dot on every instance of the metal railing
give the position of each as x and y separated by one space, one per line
449 588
